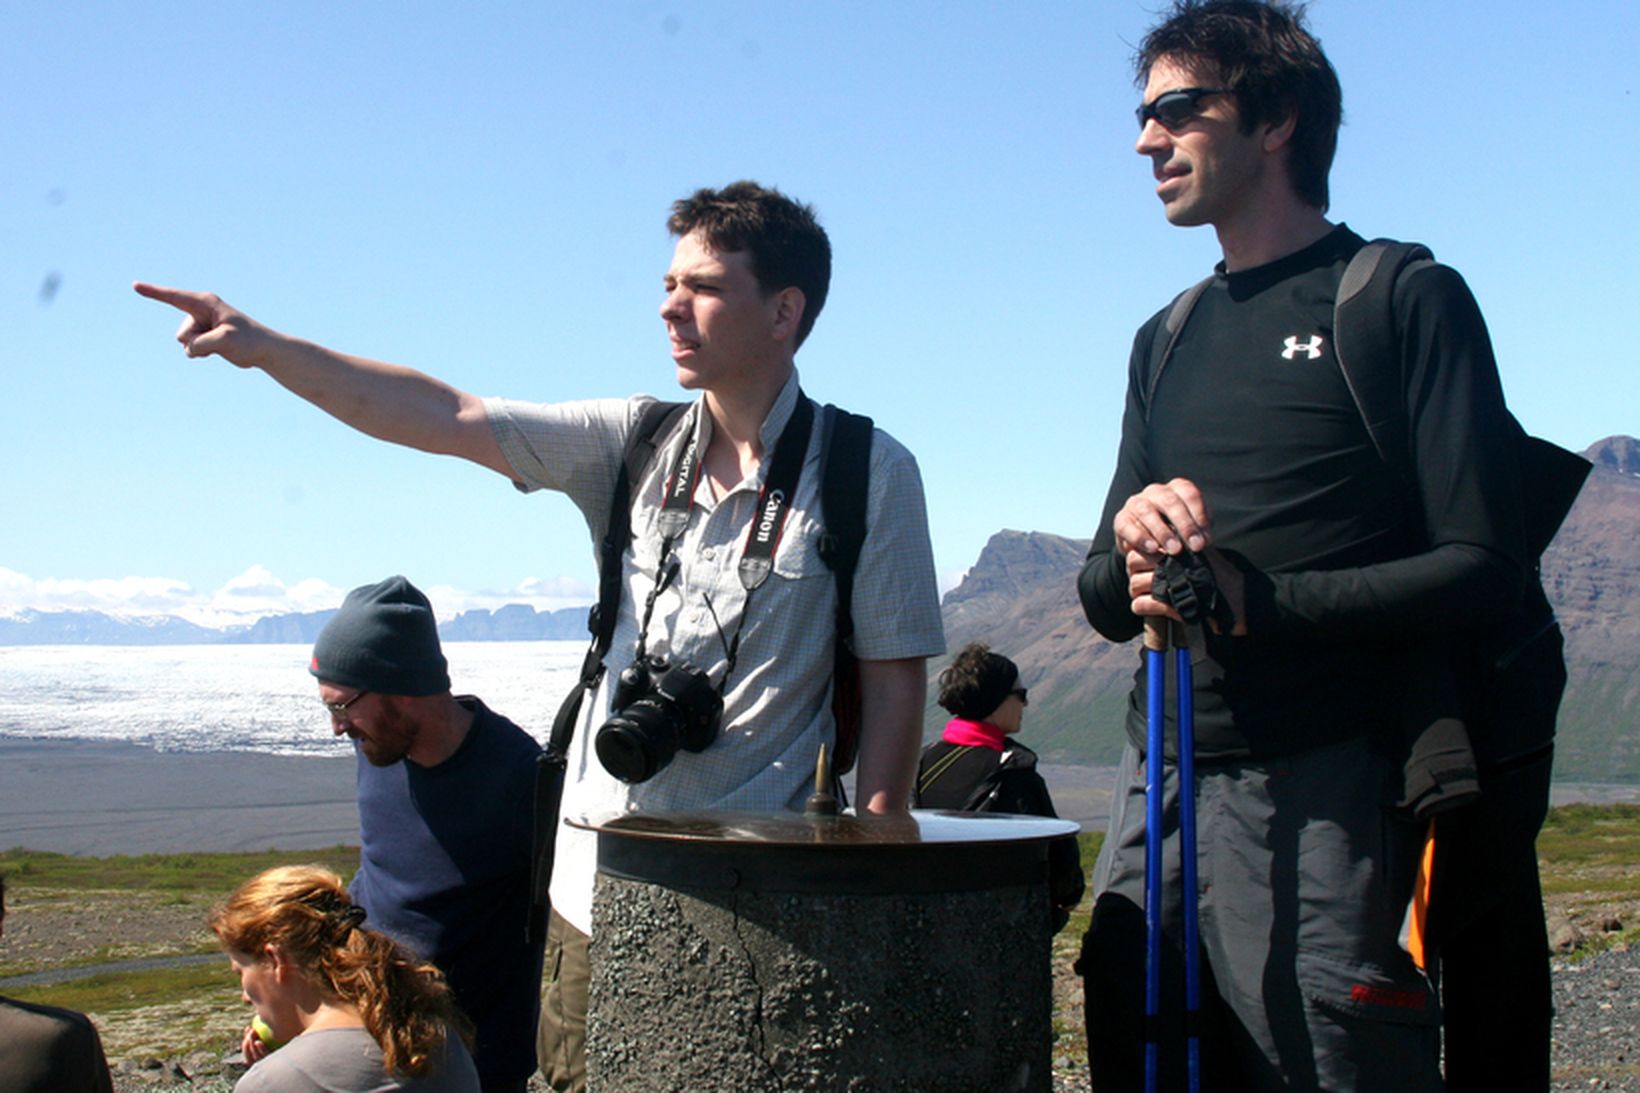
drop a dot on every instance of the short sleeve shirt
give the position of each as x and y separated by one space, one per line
347 1060
777 706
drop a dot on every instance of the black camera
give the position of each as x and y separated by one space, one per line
659 708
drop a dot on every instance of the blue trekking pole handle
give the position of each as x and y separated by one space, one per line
1155 723
1184 682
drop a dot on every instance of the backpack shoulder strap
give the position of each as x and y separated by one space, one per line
1167 335
644 438
641 443
1365 347
1364 336
845 456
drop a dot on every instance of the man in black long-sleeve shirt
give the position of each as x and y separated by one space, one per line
1249 447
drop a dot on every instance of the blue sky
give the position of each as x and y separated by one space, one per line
482 194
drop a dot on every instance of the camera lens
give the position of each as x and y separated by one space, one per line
638 741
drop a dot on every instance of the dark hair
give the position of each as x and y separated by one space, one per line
977 681
788 247
306 910
1263 52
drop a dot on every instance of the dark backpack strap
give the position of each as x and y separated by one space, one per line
641 443
1167 335
553 763
1364 333
1364 344
550 768
845 455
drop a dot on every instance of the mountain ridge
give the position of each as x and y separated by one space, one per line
512 622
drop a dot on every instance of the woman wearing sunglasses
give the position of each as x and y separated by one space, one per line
354 1011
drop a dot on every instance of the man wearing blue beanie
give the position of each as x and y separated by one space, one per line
445 790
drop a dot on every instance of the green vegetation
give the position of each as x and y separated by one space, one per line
1591 849
114 991
1594 834
186 875
1587 855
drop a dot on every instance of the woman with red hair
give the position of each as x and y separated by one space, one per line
353 1009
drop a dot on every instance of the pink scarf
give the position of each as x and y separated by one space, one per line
973 734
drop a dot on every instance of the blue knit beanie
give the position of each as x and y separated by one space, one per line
384 639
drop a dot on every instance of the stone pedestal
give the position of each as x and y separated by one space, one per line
749 953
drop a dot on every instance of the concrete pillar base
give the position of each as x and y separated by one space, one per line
735 989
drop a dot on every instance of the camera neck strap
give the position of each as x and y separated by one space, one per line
681 483
774 502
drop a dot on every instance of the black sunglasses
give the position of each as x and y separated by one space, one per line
1020 692
1172 109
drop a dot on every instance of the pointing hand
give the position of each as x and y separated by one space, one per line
210 325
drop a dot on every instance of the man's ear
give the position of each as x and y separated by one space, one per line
789 304
1277 134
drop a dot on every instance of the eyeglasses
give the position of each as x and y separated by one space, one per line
339 709
1172 109
1019 692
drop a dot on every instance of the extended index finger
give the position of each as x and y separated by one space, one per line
197 304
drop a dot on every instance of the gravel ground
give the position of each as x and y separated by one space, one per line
1597 1021
1597 1037
1597 999
1596 1028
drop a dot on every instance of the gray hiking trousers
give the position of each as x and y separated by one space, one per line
1305 870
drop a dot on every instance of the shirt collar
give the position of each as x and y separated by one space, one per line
780 413
974 734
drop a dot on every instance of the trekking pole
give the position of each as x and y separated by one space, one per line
1159 637
1184 683
1155 723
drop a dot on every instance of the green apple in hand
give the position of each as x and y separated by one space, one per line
265 1033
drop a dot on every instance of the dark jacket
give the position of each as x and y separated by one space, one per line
967 778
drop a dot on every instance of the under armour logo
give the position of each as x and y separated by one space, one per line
1311 349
